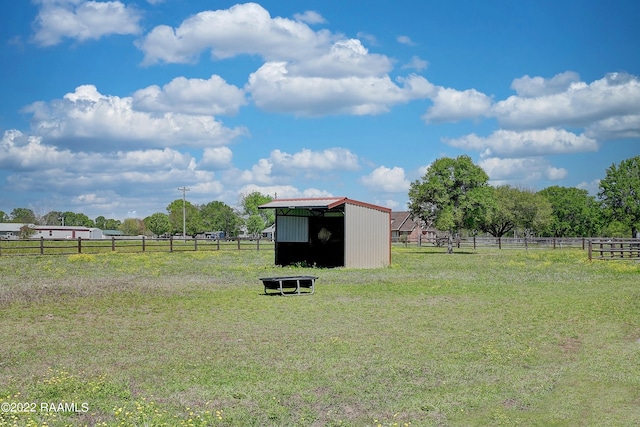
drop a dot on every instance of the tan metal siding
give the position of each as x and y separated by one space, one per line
367 237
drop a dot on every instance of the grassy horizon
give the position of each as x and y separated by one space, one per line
489 337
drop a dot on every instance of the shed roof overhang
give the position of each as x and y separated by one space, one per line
320 203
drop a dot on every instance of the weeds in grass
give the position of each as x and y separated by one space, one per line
488 338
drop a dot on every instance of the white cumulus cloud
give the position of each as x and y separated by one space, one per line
304 160
83 20
451 105
89 116
581 104
508 143
213 96
310 17
273 89
242 29
392 180
520 170
531 87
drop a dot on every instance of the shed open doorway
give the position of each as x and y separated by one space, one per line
331 232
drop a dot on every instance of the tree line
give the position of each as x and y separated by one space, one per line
214 216
454 196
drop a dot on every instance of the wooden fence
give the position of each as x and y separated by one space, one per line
505 242
614 249
144 244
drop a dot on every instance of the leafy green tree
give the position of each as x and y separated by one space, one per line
112 224
453 194
620 193
77 219
533 213
615 229
132 227
158 223
218 216
574 212
23 215
193 220
255 224
4 217
250 203
101 222
501 218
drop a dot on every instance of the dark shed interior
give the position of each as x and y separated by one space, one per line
323 244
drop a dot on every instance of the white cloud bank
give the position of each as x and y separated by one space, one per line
242 29
579 104
541 120
105 122
83 20
306 72
389 180
508 143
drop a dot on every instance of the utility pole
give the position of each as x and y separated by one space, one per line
184 212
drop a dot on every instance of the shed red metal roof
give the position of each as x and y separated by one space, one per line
318 203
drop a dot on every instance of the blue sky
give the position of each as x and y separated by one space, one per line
108 107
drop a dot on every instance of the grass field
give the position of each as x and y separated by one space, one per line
531 338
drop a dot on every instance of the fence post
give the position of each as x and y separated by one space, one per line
583 243
41 245
170 243
218 243
144 246
621 250
238 243
79 245
474 243
500 242
554 243
589 249
258 244
195 243
113 243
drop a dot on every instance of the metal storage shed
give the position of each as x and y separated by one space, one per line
331 232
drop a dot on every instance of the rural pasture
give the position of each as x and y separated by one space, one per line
487 337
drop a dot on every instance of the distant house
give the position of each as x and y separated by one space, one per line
12 231
269 232
65 232
406 229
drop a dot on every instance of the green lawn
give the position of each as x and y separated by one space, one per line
537 338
